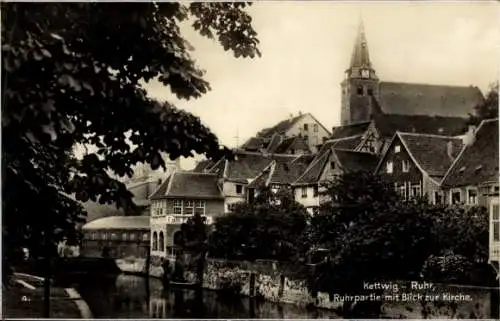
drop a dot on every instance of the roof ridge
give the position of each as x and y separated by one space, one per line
429 85
351 151
195 173
312 165
342 138
354 124
464 148
427 135
169 186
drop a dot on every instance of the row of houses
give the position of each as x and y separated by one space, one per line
457 168
416 136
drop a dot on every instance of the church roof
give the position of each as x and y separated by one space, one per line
478 162
356 129
426 99
388 125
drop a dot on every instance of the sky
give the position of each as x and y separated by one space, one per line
306 48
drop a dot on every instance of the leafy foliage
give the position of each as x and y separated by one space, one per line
374 235
194 240
272 226
488 108
73 73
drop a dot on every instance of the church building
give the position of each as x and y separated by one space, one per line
364 96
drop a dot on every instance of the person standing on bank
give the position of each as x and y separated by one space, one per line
166 271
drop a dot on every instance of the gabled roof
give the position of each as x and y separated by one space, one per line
426 99
313 172
247 165
254 143
356 129
295 143
281 127
287 172
352 161
388 125
189 185
428 152
119 223
478 162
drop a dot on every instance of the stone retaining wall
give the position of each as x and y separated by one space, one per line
273 286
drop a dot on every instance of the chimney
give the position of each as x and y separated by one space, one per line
469 137
449 149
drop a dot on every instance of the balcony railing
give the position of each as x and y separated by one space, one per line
181 219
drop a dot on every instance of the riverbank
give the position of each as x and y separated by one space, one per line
264 280
24 298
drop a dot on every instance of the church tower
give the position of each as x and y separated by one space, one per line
360 86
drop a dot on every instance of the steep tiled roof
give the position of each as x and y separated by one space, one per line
119 223
287 172
313 172
430 152
424 99
203 165
254 143
280 127
276 140
347 143
295 143
247 165
478 162
356 129
261 180
352 161
189 184
388 125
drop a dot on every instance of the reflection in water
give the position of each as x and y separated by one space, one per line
129 296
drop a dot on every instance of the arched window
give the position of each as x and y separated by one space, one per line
155 241
162 242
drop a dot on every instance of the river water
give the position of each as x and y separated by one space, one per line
127 296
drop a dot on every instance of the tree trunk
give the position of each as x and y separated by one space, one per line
47 270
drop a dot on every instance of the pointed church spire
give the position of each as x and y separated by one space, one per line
360 57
